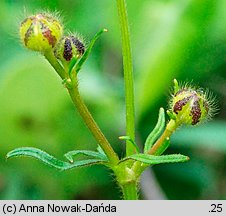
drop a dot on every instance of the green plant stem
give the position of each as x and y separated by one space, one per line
90 122
130 191
128 75
55 64
72 86
170 128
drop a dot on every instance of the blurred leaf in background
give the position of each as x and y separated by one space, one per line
186 41
183 39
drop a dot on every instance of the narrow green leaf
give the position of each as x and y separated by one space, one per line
81 163
152 137
49 159
94 154
131 141
72 64
38 154
78 66
101 151
152 159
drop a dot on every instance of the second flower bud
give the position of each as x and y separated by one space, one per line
69 47
190 106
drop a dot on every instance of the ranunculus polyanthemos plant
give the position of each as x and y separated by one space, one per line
43 32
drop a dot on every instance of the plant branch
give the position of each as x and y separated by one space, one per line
90 122
170 128
72 86
55 64
128 75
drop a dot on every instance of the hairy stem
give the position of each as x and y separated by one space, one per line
128 75
90 122
130 191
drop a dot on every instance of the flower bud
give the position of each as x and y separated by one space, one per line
69 47
190 106
40 32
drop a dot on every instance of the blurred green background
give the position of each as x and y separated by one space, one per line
183 39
